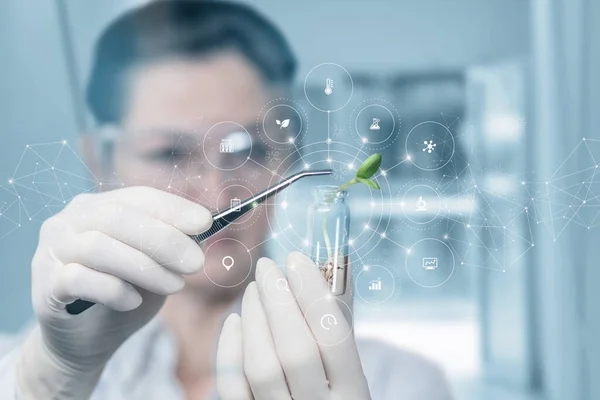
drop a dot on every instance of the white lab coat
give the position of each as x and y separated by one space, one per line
144 368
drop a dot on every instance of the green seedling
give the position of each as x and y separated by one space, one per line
363 175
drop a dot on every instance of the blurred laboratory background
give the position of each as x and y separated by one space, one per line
517 82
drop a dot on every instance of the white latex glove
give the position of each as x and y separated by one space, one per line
278 349
125 250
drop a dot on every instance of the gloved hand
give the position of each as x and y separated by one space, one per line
291 342
125 250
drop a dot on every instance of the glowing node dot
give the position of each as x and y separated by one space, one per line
64 142
383 235
365 268
290 226
365 140
367 226
305 242
274 235
383 173
445 236
328 141
307 166
284 204
291 140
408 251
351 242
350 166
329 160
408 157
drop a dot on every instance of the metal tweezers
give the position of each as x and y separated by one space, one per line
222 219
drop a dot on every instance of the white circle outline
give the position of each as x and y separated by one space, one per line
351 322
204 147
383 218
439 209
351 87
294 295
249 269
449 158
413 279
249 216
376 302
299 117
393 126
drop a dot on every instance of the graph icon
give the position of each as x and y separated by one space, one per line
375 285
430 263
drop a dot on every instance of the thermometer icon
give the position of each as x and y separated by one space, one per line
328 86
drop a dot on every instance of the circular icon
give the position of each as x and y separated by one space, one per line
227 146
327 329
282 285
375 284
430 145
282 124
328 87
231 196
234 263
274 293
430 263
421 204
327 321
290 220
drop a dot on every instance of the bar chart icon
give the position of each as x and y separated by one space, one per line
375 285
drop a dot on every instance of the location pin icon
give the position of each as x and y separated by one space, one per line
228 262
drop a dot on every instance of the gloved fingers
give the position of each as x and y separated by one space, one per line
75 281
331 330
231 381
189 217
162 242
103 253
348 297
261 363
296 348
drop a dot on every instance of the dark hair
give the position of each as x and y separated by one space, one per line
181 28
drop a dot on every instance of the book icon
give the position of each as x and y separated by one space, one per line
375 285
430 263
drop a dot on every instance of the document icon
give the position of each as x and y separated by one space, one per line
430 263
235 204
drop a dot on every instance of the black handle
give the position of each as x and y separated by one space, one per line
79 306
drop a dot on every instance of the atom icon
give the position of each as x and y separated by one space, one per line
430 146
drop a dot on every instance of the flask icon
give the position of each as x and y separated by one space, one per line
421 204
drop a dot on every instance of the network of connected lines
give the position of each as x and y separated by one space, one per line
435 207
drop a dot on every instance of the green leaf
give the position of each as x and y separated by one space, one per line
369 167
369 183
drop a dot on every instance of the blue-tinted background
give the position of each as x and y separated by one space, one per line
518 82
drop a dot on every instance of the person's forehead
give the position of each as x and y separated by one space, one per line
221 87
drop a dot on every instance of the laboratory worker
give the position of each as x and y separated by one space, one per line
176 88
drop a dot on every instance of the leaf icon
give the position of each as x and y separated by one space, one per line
285 123
278 122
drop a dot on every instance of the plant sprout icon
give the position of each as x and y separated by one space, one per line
430 146
283 124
